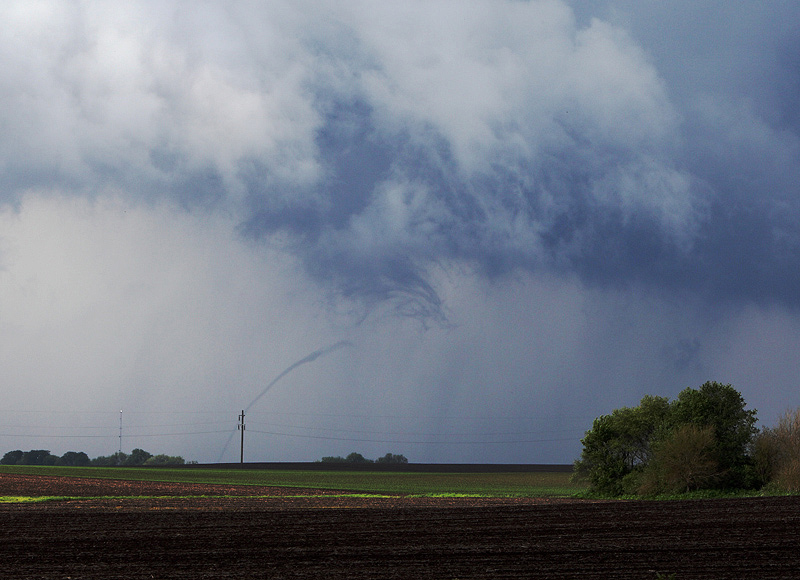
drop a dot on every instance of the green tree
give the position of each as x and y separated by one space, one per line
11 457
723 408
137 457
165 460
38 457
391 458
618 446
357 458
649 447
74 459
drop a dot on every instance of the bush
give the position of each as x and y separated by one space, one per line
776 453
788 478
117 458
391 458
165 460
682 462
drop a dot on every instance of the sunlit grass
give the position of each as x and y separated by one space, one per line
541 484
28 498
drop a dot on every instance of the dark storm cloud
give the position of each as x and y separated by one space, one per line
694 190
648 147
731 71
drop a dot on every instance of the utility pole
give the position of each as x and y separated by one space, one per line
119 457
241 428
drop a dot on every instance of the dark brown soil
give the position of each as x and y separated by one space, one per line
45 485
285 536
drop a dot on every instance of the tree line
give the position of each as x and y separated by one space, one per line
137 457
358 458
706 439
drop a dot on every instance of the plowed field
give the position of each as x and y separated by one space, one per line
305 534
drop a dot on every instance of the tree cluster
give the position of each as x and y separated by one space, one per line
358 458
137 457
44 457
701 440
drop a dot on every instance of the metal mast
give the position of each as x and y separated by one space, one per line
241 428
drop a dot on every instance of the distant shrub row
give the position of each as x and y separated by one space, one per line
137 457
358 458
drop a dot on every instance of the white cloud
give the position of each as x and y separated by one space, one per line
146 97
111 87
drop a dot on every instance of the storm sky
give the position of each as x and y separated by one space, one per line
515 216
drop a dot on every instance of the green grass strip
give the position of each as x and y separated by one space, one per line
26 498
546 484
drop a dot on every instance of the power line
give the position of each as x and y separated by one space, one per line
138 435
418 417
398 436
21 435
108 436
354 440
487 434
128 426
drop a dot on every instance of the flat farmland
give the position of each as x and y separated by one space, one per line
518 484
107 528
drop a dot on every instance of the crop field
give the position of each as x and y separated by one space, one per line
537 484
55 524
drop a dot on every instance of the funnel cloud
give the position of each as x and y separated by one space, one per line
305 360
